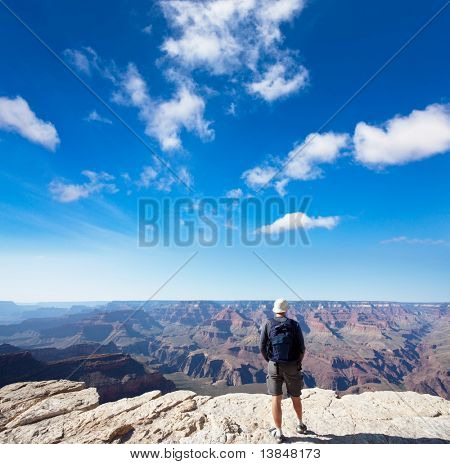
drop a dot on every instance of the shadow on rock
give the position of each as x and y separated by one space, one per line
372 438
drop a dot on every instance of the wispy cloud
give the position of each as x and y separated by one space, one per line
231 110
259 176
79 59
147 176
165 120
94 116
301 163
316 150
87 61
159 178
17 116
292 221
234 193
147 29
185 110
277 82
415 241
97 182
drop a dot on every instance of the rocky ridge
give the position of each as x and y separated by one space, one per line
68 412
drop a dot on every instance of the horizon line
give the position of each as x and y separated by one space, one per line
312 300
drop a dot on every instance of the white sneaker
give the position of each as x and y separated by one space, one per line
279 437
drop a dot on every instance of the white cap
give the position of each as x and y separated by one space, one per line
280 306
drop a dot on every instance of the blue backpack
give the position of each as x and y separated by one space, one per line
283 340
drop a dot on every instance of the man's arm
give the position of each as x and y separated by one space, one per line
301 343
263 342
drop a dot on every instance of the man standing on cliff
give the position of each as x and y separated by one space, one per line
283 347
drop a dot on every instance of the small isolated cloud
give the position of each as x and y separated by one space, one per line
414 241
148 174
231 110
94 116
259 176
161 178
234 193
87 61
167 180
276 82
79 59
17 116
403 139
292 221
165 120
97 182
147 29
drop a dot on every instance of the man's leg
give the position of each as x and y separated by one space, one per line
276 410
297 403
275 389
294 383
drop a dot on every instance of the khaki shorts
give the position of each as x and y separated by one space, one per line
289 373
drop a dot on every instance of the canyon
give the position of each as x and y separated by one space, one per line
352 347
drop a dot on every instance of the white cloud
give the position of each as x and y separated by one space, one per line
291 221
97 182
147 29
94 116
16 116
231 110
185 176
87 61
317 149
161 178
167 180
79 59
184 110
280 186
147 175
301 163
276 83
234 193
165 120
223 35
133 90
414 241
259 176
402 139
227 37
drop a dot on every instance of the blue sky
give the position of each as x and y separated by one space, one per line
232 95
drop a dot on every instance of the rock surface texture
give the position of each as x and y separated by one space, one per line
68 412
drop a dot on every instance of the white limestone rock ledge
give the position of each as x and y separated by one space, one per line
61 411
